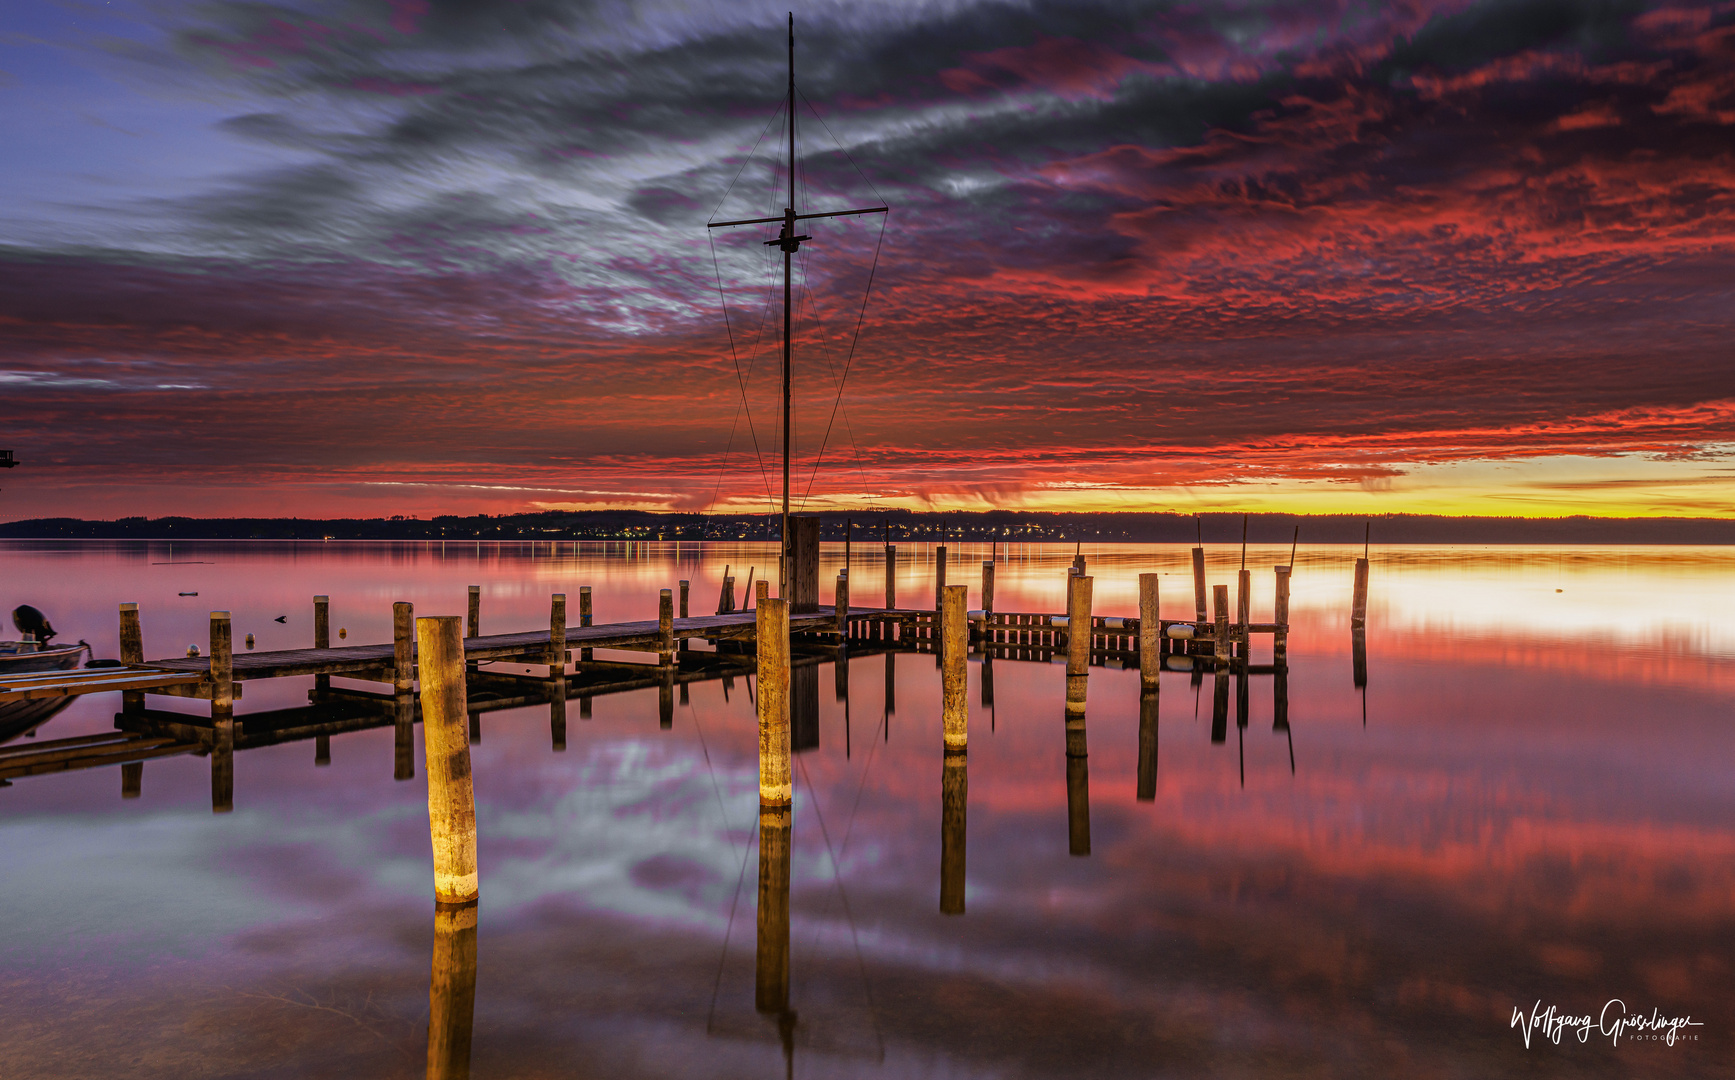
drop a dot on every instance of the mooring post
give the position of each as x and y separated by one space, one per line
1150 632
665 627
954 693
1199 586
403 645
1280 615
988 590
939 575
557 635
771 627
686 587
1358 612
1220 632
132 651
452 992
584 620
474 623
1243 611
891 576
1078 598
840 606
451 796
222 715
321 637
954 803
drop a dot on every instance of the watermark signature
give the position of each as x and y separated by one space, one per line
1614 1022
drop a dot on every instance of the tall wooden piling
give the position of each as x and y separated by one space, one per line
1078 605
222 714
685 587
322 635
1199 586
939 575
1358 611
1280 614
988 587
665 627
954 693
954 808
403 646
132 651
891 576
473 624
445 743
801 570
1150 632
1243 610
840 605
584 614
557 635
771 626
771 952
1220 632
452 992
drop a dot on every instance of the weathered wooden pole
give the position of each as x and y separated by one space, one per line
584 620
665 627
403 646
1358 611
685 587
771 626
1078 603
1243 610
132 651
954 804
1220 632
1280 614
556 677
557 635
939 575
1150 633
891 576
1147 789
1199 586
222 715
954 690
451 796
474 624
452 992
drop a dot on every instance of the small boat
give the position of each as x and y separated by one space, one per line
23 657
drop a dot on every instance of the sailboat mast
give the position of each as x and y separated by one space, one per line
788 253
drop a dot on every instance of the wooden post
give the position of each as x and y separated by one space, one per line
1243 610
132 651
939 575
954 693
954 803
840 605
1358 612
988 587
802 575
321 638
1280 615
452 992
771 953
1147 789
474 623
584 617
771 624
1199 586
1220 635
403 646
665 627
686 587
222 715
451 797
1078 598
891 576
1150 633
557 635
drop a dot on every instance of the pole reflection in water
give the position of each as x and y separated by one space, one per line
404 739
452 992
954 802
1358 640
1077 770
1148 745
322 750
771 956
1280 709
1220 707
891 693
556 712
1241 709
132 779
223 769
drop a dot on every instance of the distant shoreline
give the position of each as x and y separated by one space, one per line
907 526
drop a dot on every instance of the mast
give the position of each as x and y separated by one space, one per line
789 243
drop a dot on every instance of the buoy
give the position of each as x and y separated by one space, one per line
249 641
192 650
342 633
1181 631
189 594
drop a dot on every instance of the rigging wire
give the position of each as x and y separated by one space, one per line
850 359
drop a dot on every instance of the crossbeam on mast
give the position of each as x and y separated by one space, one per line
798 217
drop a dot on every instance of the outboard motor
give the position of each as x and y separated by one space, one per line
30 621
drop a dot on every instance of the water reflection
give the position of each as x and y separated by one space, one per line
452 992
954 804
771 952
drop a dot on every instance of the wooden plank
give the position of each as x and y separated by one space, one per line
136 751
93 685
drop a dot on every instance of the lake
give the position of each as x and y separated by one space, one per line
1530 804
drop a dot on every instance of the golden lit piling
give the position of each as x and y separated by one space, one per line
1220 634
954 803
1280 615
1150 632
445 743
771 624
452 992
1078 603
222 715
1199 612
954 694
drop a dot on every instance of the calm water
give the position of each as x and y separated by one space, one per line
1531 801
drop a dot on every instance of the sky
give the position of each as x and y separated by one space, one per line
357 258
